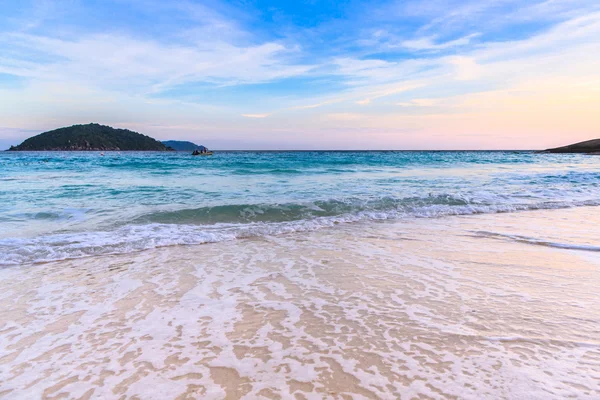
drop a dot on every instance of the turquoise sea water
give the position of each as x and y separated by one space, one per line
56 205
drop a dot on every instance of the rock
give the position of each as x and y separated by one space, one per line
587 147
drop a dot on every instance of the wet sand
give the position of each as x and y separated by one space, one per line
501 306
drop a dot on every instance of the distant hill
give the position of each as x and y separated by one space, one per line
182 145
587 147
90 137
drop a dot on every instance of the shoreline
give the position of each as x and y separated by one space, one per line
377 310
208 234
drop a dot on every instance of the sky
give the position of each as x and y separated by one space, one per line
306 74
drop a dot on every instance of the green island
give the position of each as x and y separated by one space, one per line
90 137
183 145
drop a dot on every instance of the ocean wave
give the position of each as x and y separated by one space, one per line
284 212
224 223
374 208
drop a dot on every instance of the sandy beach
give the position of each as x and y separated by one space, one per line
469 307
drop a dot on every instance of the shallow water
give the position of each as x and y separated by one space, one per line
455 307
60 205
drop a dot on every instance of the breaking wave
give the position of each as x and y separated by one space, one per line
231 222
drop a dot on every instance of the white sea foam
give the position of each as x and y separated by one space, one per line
538 241
133 238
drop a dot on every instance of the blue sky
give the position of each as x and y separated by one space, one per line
306 74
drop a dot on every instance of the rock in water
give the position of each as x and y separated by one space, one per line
587 147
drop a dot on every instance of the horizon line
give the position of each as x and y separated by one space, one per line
281 150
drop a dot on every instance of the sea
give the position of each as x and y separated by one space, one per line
300 275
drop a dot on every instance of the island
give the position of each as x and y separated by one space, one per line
90 137
182 145
587 147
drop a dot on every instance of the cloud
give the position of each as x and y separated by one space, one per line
389 91
567 48
359 71
317 105
419 103
255 115
465 68
345 116
428 43
117 60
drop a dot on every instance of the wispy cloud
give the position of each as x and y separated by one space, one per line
112 59
345 116
429 43
419 103
255 115
389 91
317 105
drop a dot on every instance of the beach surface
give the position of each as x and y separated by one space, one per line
489 306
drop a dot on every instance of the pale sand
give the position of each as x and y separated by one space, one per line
430 308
